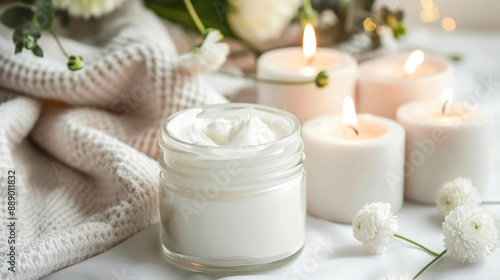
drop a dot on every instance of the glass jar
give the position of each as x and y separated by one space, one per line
232 209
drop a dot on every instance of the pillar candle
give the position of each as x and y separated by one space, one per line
442 146
386 83
348 159
303 64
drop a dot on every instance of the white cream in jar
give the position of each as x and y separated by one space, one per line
232 188
239 127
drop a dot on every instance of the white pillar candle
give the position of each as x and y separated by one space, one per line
386 83
303 64
346 170
441 147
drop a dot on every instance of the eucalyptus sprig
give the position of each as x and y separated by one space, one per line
29 18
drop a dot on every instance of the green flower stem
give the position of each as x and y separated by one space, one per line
267 81
415 243
179 16
195 17
490 202
59 43
307 5
429 264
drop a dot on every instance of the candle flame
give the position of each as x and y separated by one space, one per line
349 117
414 60
447 96
308 71
309 44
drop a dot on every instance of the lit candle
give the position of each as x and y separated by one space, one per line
386 83
444 140
309 49
413 62
348 160
303 64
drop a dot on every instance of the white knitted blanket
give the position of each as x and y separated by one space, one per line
83 145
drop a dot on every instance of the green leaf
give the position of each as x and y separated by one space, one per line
29 42
18 35
16 16
19 47
64 17
211 13
32 31
399 30
37 51
44 13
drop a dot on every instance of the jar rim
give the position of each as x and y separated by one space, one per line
269 109
241 190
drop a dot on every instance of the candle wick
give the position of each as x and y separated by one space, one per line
444 106
309 60
353 128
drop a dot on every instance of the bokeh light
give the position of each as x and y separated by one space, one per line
369 25
426 4
430 15
448 24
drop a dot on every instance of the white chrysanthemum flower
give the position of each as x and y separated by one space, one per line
469 233
208 57
261 20
396 277
375 226
496 218
458 192
87 8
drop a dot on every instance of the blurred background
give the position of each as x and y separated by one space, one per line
478 14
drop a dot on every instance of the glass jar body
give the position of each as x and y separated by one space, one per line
236 211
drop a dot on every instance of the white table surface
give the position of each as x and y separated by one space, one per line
331 251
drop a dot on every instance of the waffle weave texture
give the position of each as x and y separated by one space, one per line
83 144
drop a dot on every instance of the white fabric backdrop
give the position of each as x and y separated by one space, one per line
331 252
